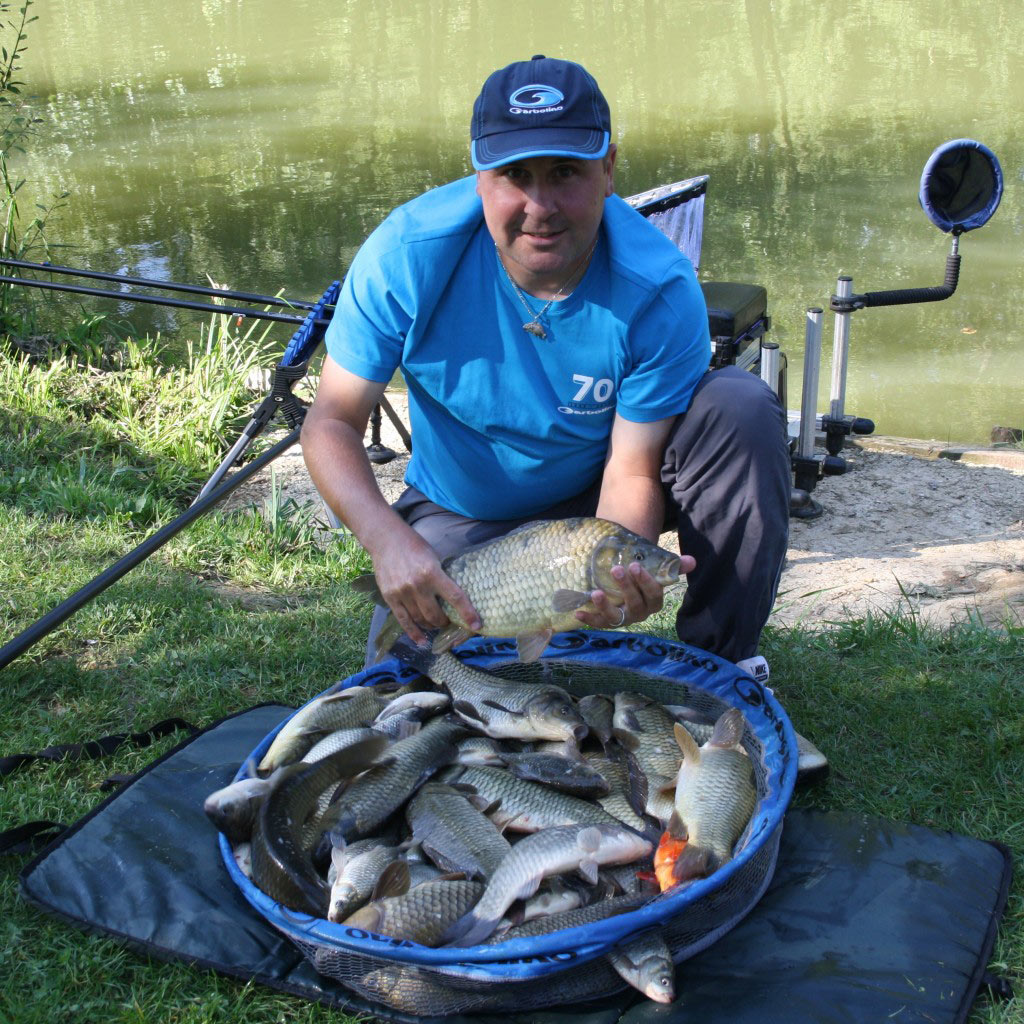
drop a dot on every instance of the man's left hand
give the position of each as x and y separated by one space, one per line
640 596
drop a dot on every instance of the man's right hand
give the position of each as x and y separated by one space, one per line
412 582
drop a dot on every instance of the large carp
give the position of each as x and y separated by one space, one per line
282 865
715 797
530 583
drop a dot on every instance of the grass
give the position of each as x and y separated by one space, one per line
920 725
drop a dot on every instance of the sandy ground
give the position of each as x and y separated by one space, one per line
916 525
942 538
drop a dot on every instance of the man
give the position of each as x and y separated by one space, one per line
555 346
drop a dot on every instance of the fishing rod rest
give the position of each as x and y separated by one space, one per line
377 452
837 425
905 296
281 399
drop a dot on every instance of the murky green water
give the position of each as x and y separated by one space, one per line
259 142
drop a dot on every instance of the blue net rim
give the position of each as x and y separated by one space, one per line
674 662
979 217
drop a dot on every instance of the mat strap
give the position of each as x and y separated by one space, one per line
30 837
93 749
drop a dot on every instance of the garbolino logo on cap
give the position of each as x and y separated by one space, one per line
539 107
535 97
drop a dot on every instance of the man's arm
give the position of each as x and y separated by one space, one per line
631 495
408 573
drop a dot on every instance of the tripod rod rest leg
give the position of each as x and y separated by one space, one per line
809 395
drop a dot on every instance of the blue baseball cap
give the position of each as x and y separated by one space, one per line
539 107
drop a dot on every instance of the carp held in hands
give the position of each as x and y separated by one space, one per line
592 951
530 583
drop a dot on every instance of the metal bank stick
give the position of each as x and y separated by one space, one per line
807 465
809 394
770 365
840 351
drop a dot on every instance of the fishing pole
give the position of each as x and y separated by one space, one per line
377 452
149 282
280 400
24 640
161 300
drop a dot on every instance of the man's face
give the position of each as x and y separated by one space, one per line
543 214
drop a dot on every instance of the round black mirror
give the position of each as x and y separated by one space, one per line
961 185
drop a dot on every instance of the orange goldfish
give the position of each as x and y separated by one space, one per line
665 857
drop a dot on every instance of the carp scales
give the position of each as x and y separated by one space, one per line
494 706
337 740
355 870
422 914
582 848
281 862
628 797
455 832
522 806
646 729
380 790
402 986
348 709
547 923
715 797
529 583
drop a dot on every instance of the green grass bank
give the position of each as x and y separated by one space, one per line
101 445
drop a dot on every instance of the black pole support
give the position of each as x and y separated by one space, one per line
376 452
836 430
806 471
902 296
281 396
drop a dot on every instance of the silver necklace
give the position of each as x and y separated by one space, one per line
533 325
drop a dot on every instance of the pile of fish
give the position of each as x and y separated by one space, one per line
463 808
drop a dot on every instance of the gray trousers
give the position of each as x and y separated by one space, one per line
726 476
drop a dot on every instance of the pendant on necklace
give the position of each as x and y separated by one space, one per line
534 328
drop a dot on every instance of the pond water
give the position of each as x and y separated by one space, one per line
258 143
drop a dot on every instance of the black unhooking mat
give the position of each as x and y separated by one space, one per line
865 919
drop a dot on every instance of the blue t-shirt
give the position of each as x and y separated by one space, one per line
504 423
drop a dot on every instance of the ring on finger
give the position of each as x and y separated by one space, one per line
622 617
